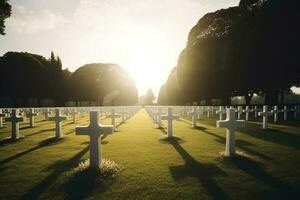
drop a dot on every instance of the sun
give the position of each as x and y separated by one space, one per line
145 66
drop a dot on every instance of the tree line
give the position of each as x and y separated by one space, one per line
26 76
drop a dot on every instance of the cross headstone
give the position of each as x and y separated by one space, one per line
1 118
113 117
255 111
31 116
73 112
276 111
94 131
231 124
285 112
194 114
15 119
208 109
169 117
239 112
58 118
221 112
247 111
46 113
158 117
295 111
123 114
265 114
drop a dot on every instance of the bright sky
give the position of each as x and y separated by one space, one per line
144 37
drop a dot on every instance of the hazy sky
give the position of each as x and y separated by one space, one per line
144 37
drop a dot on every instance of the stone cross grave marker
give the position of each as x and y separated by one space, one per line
231 124
221 112
275 111
113 117
265 114
194 114
73 112
247 111
169 117
15 119
239 112
2 115
31 114
58 118
123 114
285 112
94 131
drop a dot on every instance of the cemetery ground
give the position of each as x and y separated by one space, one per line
191 167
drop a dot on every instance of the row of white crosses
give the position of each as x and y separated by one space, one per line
13 115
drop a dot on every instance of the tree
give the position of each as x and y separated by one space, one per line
241 51
94 82
148 98
5 12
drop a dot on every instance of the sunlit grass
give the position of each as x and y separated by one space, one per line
189 168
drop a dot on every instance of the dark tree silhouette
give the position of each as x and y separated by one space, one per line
250 48
5 12
149 97
26 76
94 82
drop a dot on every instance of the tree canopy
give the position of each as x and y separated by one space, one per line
5 12
242 50
27 76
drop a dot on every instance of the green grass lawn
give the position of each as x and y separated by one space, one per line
38 167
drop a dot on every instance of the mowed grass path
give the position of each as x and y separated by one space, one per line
38 167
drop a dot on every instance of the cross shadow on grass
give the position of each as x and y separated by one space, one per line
163 130
41 131
47 142
26 127
204 173
9 140
83 183
242 144
57 169
279 189
272 135
120 124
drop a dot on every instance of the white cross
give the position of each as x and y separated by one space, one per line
123 113
265 114
169 117
194 114
113 117
239 112
158 117
94 131
247 111
73 112
31 116
1 118
285 112
295 112
276 111
221 112
47 112
14 119
255 111
208 109
58 118
231 124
